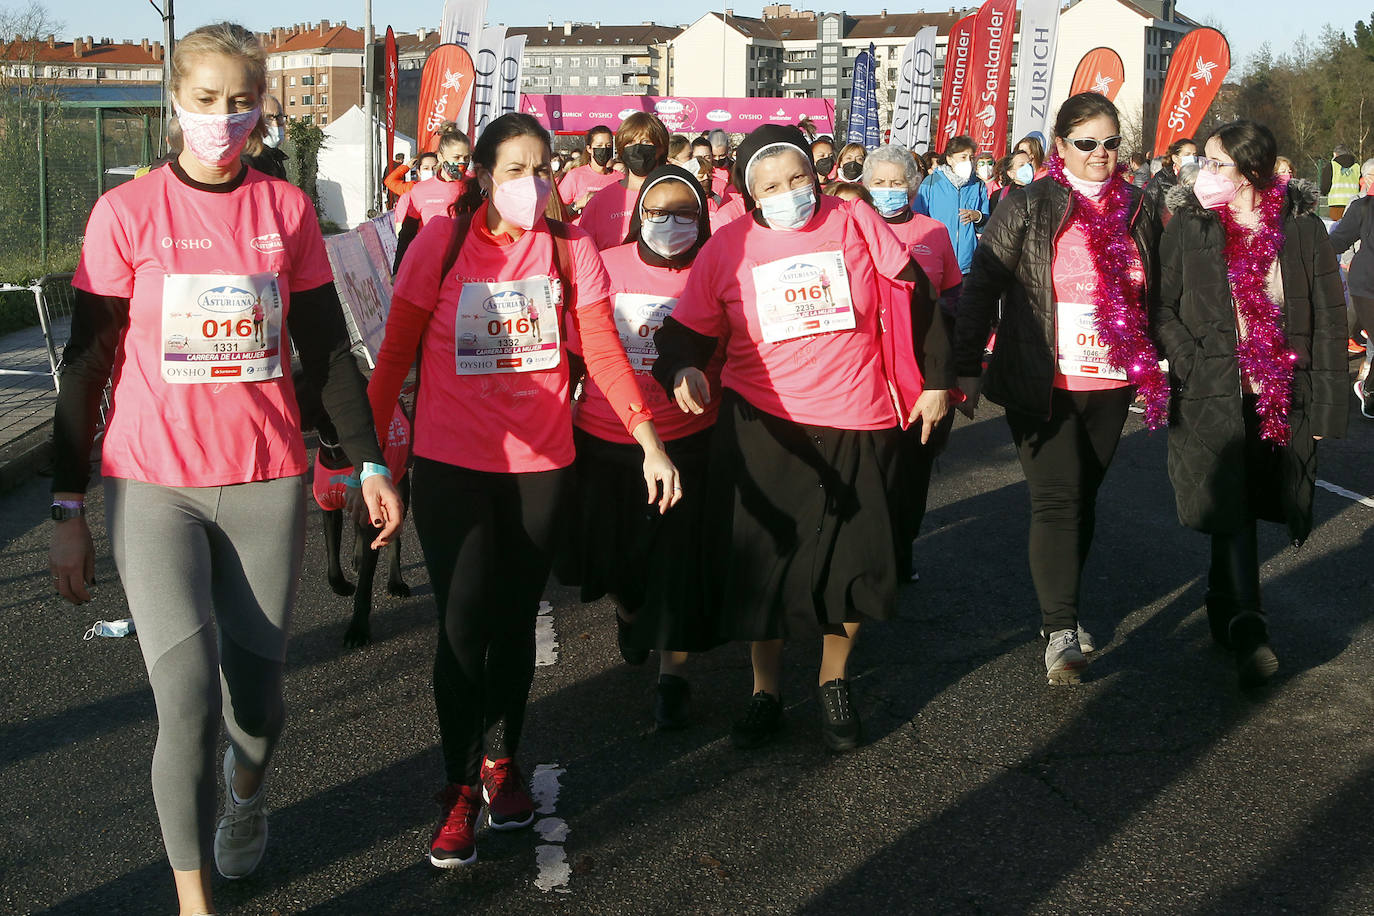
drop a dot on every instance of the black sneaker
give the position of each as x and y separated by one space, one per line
631 655
761 722
840 728
1366 400
1255 660
673 703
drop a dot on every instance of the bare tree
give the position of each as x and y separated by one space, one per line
23 32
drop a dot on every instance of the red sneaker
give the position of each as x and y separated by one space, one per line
1353 347
509 806
454 843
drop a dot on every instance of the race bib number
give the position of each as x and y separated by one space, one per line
221 328
1081 352
803 295
637 318
510 326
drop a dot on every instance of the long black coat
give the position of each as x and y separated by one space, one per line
1015 259
1194 323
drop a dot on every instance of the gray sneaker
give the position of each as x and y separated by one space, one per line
1086 644
241 836
1064 661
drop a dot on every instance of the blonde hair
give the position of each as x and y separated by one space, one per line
226 39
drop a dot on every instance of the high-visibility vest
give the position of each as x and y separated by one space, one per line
1345 184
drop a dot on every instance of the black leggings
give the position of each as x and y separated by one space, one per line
488 540
1233 579
1065 459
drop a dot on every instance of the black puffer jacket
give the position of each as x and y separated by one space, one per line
1158 188
1015 259
1194 323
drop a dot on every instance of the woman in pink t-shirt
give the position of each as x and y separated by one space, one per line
893 178
643 143
1067 256
649 563
203 455
805 447
436 195
494 449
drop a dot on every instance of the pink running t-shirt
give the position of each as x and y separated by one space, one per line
823 366
581 180
606 218
428 199
928 241
642 296
1075 283
214 433
502 420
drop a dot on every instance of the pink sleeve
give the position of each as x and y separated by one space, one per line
699 308
418 280
890 256
309 263
590 277
107 264
567 188
601 346
952 275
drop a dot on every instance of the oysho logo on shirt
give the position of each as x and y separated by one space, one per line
186 244
228 299
268 244
799 273
508 302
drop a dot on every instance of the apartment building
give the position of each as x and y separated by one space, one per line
315 70
82 62
581 58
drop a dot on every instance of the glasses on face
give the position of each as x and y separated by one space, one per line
681 217
1088 144
1213 165
276 118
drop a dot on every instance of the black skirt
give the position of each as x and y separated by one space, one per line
800 526
622 546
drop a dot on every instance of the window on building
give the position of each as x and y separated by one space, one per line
274 82
892 74
324 79
307 80
591 62
324 99
847 73
291 81
308 119
574 62
307 100
324 119
574 81
829 56
593 81
829 74
291 100
613 62
830 29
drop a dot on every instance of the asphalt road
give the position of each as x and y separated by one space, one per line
1156 787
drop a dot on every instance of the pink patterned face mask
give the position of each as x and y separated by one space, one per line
216 139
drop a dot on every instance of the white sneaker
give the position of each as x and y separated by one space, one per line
1086 644
241 836
1064 661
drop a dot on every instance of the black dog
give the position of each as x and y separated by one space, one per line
331 473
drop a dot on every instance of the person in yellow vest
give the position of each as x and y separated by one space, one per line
1340 181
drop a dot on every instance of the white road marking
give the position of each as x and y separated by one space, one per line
1348 494
550 856
545 639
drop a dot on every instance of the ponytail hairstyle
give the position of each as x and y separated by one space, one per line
507 127
225 39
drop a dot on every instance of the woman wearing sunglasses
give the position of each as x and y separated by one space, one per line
647 561
1251 316
1070 253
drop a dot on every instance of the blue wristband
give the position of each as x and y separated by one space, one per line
372 469
353 481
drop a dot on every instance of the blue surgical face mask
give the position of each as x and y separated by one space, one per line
889 201
1187 159
791 210
1025 174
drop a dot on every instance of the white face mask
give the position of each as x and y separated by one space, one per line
791 210
669 238
274 136
1187 159
963 169
426 173
985 171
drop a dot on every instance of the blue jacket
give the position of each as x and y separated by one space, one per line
939 199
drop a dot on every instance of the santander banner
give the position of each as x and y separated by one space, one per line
990 76
391 76
1099 71
445 88
953 105
680 114
1199 64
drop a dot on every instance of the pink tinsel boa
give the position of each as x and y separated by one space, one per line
1263 352
1119 313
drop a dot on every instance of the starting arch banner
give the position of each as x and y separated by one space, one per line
680 114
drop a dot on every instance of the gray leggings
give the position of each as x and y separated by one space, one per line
185 553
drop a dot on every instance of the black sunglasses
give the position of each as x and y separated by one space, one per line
1088 144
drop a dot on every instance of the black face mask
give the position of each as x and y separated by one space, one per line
824 165
640 158
851 170
602 155
456 169
721 162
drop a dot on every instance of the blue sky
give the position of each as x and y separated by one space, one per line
1274 21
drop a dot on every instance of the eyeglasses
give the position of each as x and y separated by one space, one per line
681 217
275 117
1213 165
1088 144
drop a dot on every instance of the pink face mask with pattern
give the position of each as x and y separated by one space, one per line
216 139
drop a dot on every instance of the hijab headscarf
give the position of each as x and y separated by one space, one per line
670 172
761 139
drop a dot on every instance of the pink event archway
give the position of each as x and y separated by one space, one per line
680 114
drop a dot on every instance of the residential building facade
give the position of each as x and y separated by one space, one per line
591 59
315 70
82 62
